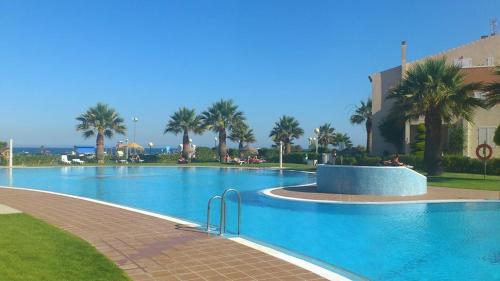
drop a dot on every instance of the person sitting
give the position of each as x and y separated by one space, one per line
182 160
395 161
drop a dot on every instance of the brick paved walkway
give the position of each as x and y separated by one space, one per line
150 248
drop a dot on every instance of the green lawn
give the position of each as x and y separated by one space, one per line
469 181
31 249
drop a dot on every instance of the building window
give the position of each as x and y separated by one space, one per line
485 135
490 61
480 95
463 62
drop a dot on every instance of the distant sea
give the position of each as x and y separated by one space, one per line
67 150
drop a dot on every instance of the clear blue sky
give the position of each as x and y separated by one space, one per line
308 59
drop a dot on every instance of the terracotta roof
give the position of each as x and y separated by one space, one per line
480 74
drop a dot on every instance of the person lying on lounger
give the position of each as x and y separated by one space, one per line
395 162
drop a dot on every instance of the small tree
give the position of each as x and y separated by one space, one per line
418 146
456 139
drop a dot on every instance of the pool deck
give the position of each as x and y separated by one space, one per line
151 248
309 192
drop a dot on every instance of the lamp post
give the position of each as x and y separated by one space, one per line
135 119
190 147
11 152
281 155
216 149
316 131
150 146
126 150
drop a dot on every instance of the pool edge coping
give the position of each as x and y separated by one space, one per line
304 264
269 192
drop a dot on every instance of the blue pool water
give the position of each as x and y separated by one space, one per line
452 241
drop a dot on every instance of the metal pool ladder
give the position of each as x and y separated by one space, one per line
222 221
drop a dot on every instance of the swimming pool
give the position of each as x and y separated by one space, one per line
451 241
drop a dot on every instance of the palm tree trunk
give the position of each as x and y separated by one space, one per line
240 148
222 145
288 147
368 138
185 145
99 143
433 144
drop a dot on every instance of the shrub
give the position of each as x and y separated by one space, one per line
299 157
205 154
168 158
35 159
418 146
367 161
269 154
461 164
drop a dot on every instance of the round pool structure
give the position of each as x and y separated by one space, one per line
369 180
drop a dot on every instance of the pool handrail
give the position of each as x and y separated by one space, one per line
208 212
222 220
223 209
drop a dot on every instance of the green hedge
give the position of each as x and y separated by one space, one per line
458 164
462 164
205 154
272 155
35 160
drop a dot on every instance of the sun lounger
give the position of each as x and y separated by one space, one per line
238 161
78 161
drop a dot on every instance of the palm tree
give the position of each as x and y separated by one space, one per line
286 130
493 89
103 121
435 90
242 134
219 117
362 114
342 138
183 121
326 136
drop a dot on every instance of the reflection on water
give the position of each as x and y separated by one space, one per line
9 176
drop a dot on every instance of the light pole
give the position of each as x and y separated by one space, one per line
126 150
216 149
11 152
281 155
316 131
135 119
150 146
190 147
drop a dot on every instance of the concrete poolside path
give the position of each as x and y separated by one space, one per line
150 248
5 210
